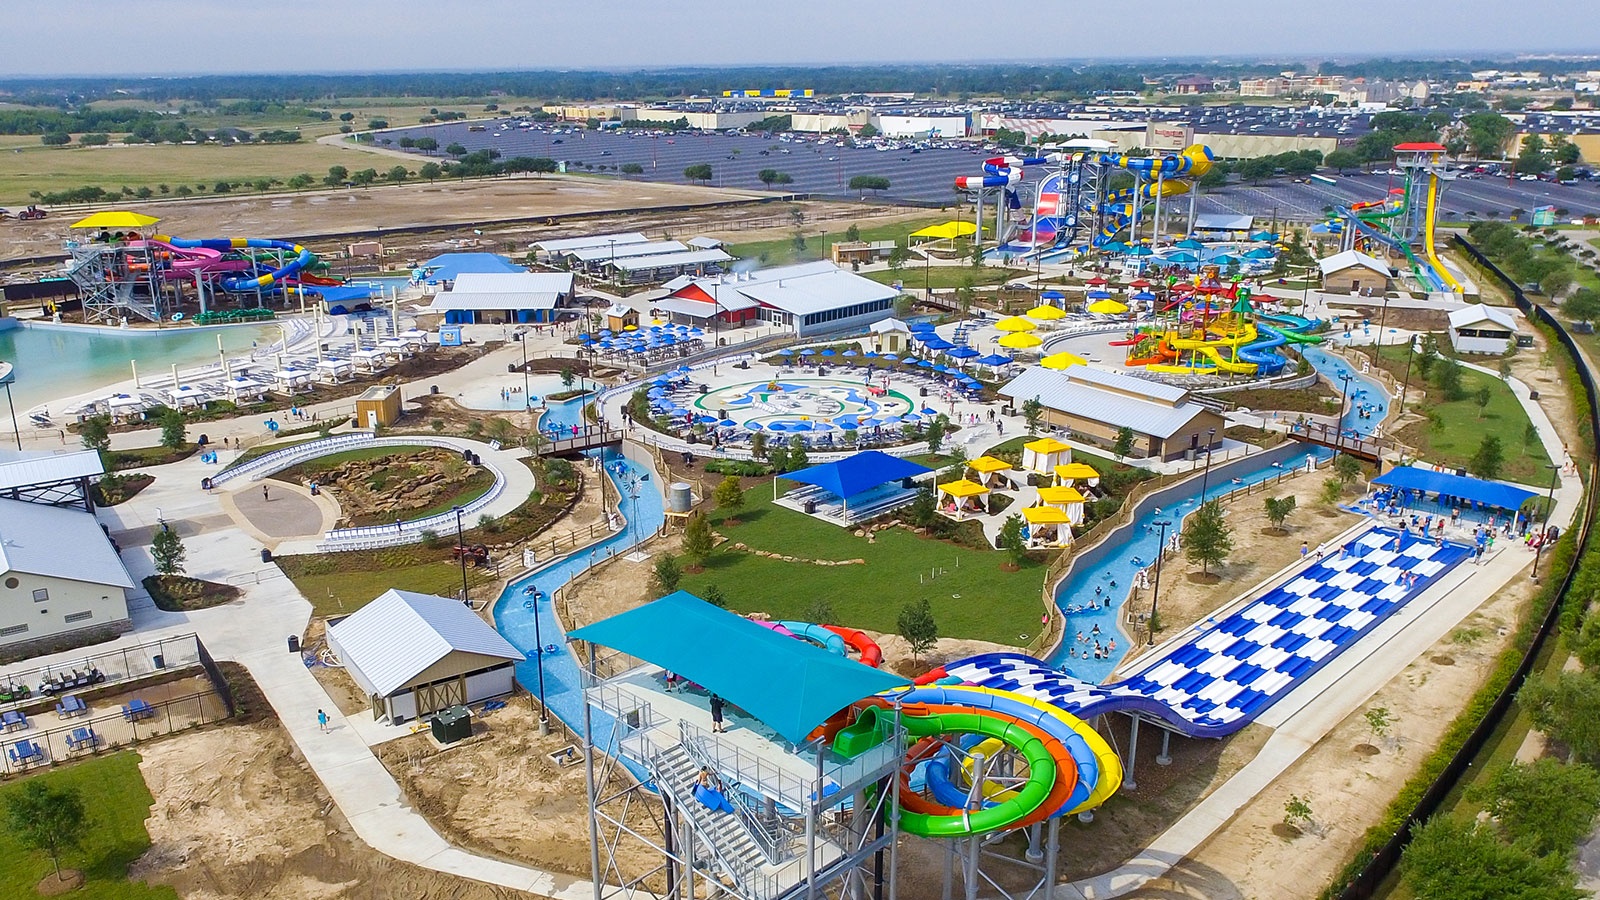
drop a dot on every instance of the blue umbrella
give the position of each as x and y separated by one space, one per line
926 336
891 420
727 423
661 381
1183 258
850 353
892 357
929 411
1224 258
1260 253
1052 295
1190 244
828 352
1263 236
909 361
808 352
942 370
870 354
963 353
786 352
871 423
800 426
924 364
922 326
706 420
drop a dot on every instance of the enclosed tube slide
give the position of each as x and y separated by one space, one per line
1167 177
303 258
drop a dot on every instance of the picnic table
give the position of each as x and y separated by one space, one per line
26 753
137 709
70 706
82 738
14 720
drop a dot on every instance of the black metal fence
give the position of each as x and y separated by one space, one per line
51 738
1383 863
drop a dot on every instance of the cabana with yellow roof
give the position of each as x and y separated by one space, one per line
1066 499
1047 527
1043 455
959 499
1072 473
946 231
990 471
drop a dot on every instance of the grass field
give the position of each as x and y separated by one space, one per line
946 277
117 802
781 251
971 597
1462 425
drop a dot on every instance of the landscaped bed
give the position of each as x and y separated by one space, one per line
180 593
378 485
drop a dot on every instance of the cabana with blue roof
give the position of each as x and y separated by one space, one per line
859 487
1410 487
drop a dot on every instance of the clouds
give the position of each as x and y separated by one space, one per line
159 37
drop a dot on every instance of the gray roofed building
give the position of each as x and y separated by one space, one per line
564 245
604 254
61 543
503 297
417 653
62 584
1223 222
1093 404
811 298
57 479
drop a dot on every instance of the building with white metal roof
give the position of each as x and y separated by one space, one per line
1354 272
638 269
1481 329
810 298
504 298
566 245
1094 405
588 255
62 583
415 654
57 479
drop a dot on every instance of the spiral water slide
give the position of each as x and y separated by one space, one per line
1167 176
301 258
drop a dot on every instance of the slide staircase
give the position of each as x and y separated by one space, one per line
724 834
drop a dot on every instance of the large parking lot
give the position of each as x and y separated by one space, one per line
928 176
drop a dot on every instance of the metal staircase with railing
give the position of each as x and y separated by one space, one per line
724 834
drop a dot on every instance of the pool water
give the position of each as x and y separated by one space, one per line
56 363
485 394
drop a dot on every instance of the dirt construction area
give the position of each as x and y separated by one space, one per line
238 816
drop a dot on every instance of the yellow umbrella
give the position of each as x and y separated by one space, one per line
116 219
1045 313
1063 360
1020 341
1108 307
1015 323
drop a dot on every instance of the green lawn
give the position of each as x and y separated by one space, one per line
117 802
946 277
782 251
971 597
1462 424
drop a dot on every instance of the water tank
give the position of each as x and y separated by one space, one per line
678 497
452 724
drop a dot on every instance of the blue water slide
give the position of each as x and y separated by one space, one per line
1260 352
300 259
816 634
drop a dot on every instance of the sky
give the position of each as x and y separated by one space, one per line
167 37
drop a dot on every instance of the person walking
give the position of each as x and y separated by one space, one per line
716 714
322 720
265 496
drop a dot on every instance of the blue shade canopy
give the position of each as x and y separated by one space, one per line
858 472
790 685
1182 257
1190 244
1489 493
1052 295
1263 236
995 359
938 344
963 353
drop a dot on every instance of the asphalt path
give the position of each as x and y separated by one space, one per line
928 176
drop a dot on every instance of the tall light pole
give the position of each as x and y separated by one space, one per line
538 639
1550 501
1383 316
1155 593
461 552
1405 386
1205 480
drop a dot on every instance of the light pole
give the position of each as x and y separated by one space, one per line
461 553
1338 431
1383 316
1205 480
1550 501
1155 593
522 338
538 639
1405 386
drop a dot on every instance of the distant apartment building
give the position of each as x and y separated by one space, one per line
1290 84
1195 85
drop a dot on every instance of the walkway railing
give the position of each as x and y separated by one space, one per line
278 460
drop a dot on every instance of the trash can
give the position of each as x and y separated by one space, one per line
159 660
433 389
294 643
452 724
266 555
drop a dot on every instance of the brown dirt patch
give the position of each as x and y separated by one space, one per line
479 792
238 816
68 881
1365 750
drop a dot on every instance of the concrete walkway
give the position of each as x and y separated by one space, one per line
1307 714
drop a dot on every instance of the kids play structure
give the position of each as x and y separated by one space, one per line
1208 327
1073 205
1403 222
152 276
818 762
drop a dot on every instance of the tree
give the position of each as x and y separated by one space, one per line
1481 398
1546 806
1032 414
778 457
867 131
1297 812
365 177
1206 538
167 550
1451 859
1122 445
302 181
427 145
172 429
455 149
936 432
1567 709
1582 306
430 170
1347 469
698 172
1340 160
1555 282
95 433
797 453
770 177
924 508
397 174
821 612
898 257
1488 458
377 124
916 625
1278 510
668 573
336 176
728 496
697 539
45 817
1447 375
716 596
853 233
631 169
1379 721
874 183
1010 540
1487 133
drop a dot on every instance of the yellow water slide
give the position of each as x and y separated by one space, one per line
1427 237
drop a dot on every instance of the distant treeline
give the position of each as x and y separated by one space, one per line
247 92
145 125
